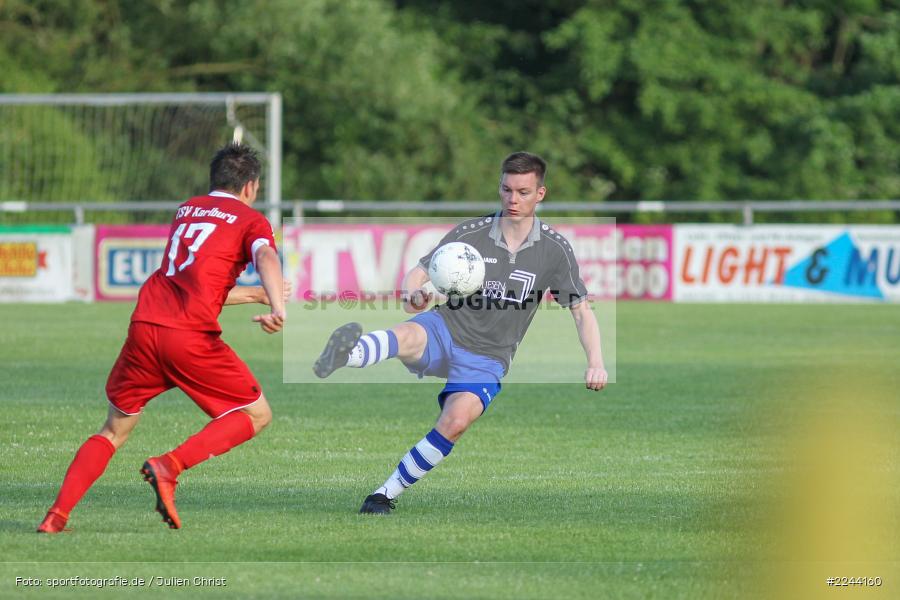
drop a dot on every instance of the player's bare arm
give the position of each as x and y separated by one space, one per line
254 294
416 297
269 268
595 376
250 294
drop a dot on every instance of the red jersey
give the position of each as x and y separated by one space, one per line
211 240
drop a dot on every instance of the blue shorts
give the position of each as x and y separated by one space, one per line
464 371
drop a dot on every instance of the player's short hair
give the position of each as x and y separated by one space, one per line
525 162
233 167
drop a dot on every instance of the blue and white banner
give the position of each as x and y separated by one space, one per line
787 263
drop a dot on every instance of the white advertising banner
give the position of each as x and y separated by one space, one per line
35 264
787 263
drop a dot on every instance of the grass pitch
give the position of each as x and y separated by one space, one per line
746 451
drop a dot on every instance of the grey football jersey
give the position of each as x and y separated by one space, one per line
493 321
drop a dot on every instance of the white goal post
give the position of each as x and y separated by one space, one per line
131 147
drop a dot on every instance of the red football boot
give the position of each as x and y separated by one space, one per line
54 522
161 472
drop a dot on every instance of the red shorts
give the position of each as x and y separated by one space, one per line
155 359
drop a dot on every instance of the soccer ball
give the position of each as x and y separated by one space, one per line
456 269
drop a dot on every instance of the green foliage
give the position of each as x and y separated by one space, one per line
417 99
71 161
693 100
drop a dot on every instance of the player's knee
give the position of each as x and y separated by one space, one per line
264 419
261 415
452 427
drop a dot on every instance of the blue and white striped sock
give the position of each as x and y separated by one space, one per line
421 458
373 348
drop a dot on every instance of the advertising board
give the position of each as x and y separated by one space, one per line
35 264
787 263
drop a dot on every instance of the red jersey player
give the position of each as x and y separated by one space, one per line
174 338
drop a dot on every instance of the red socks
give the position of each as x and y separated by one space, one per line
89 463
218 437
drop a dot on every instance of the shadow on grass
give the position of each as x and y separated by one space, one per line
12 526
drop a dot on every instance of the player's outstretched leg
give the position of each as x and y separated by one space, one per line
347 348
88 465
337 349
218 437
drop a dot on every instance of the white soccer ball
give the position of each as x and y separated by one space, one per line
456 269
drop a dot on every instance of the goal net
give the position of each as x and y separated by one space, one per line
129 147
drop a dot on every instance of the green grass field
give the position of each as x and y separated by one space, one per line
745 451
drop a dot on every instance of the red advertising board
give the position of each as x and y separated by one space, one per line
628 261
